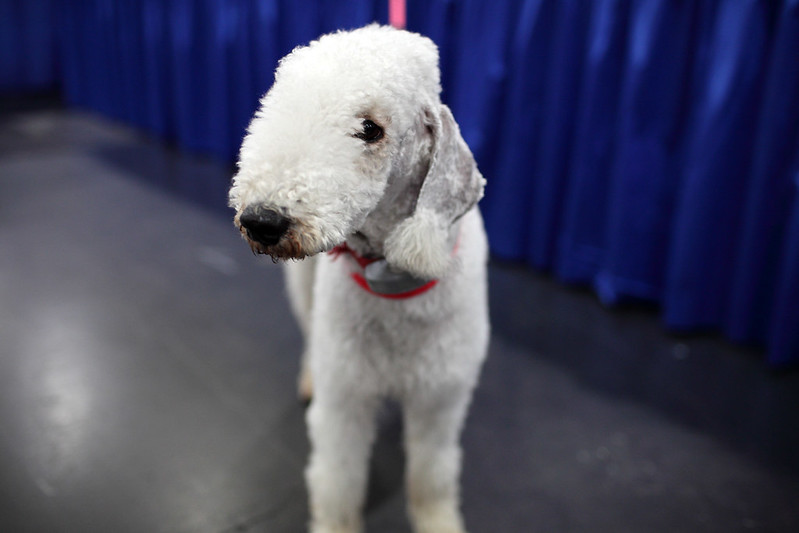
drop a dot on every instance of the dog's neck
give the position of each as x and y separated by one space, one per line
379 278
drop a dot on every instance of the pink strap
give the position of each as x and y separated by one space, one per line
396 13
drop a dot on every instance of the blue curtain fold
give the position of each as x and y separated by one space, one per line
581 238
520 132
708 212
765 290
644 168
646 148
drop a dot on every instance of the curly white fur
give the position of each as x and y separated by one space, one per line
420 244
408 196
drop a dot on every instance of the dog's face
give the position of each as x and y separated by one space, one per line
307 179
348 129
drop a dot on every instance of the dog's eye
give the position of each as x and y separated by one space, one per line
371 132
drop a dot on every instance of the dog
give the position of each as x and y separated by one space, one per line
355 174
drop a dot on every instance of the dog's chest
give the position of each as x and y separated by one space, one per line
393 338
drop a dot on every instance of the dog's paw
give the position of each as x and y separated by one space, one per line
437 518
319 528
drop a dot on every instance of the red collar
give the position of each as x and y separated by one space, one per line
361 280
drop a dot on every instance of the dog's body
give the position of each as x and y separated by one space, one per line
353 152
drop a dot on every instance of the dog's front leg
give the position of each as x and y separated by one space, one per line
433 422
342 429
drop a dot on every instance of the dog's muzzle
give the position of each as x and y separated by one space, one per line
263 225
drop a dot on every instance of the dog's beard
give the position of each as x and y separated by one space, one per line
289 247
299 242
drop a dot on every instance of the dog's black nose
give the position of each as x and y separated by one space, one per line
263 225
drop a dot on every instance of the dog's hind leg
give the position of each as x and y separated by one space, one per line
433 422
300 282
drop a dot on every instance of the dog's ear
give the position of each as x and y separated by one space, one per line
422 243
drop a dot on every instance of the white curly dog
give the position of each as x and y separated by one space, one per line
352 153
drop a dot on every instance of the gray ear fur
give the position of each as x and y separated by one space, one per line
422 244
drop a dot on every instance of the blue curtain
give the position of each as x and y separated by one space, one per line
28 37
189 70
648 148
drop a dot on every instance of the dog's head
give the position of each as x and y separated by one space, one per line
352 142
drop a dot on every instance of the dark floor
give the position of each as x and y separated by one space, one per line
147 370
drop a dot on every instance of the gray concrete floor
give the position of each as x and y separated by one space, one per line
148 361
